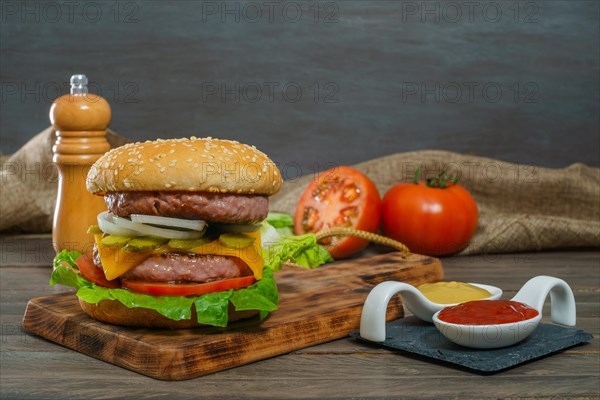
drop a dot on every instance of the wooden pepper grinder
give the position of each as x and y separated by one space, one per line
80 120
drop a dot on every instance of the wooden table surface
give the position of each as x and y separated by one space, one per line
32 367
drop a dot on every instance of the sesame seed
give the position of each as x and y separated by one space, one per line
167 185
162 170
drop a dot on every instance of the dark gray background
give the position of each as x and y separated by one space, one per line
518 81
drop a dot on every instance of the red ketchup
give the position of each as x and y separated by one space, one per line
487 312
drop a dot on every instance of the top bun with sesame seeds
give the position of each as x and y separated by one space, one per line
189 165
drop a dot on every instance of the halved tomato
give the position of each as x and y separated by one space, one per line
339 197
94 274
186 289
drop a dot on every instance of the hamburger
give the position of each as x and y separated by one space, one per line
179 245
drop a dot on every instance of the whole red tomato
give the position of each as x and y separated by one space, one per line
339 197
430 220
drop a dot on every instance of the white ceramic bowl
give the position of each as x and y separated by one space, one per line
533 293
487 336
418 310
372 322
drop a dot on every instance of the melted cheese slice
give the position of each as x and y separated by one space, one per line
116 262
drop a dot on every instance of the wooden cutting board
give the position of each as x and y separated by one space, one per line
316 306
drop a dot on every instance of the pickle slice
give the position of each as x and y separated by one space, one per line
181 244
94 229
113 241
235 240
144 243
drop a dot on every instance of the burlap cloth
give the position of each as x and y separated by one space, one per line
29 181
522 207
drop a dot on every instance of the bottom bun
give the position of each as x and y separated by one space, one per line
113 312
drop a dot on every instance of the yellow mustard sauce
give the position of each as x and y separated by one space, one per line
452 292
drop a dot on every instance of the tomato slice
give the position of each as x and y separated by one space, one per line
339 197
187 289
94 274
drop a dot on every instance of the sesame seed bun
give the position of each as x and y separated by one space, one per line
194 164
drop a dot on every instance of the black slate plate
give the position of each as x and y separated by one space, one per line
416 336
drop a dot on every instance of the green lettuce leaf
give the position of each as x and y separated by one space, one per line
258 297
303 250
212 307
280 220
279 245
64 263
283 223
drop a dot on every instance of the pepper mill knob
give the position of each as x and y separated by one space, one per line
80 120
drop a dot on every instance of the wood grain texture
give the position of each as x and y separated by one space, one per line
32 367
316 306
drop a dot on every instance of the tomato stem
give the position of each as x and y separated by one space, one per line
417 175
440 181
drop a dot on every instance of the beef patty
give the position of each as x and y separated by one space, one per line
214 207
184 268
188 268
